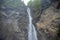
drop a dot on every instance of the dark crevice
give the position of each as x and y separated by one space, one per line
58 34
58 6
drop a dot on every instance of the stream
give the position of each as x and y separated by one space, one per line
32 33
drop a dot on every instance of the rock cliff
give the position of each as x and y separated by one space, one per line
46 19
48 24
13 20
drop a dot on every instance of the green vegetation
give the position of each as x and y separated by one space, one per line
35 3
13 3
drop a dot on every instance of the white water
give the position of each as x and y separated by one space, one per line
32 34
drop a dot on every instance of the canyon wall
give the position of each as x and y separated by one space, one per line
13 20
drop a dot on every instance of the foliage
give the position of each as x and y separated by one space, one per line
35 3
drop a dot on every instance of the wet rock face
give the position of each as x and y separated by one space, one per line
13 23
35 15
48 24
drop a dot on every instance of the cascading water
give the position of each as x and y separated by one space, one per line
32 34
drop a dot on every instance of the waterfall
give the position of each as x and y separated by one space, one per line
32 34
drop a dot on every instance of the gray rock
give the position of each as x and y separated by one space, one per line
13 23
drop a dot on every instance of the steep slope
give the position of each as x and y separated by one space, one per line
13 20
48 24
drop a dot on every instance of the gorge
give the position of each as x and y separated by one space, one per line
39 20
